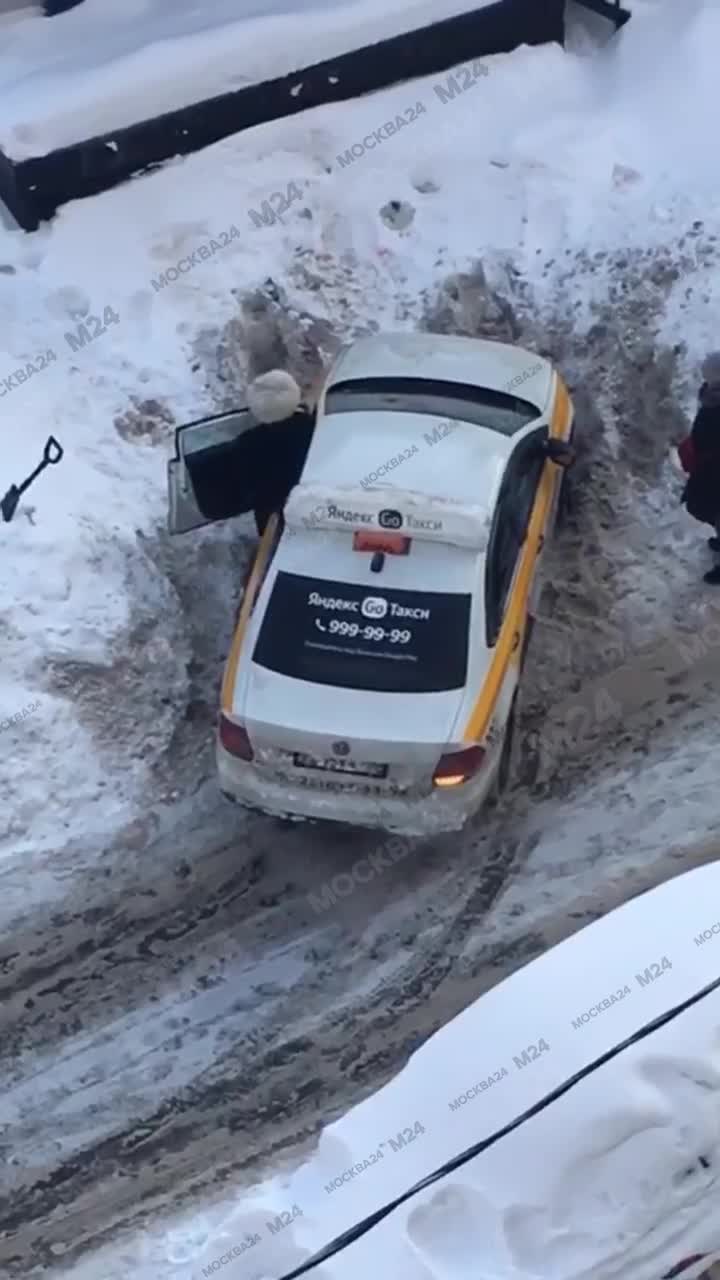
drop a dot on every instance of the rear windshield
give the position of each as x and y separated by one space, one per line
496 410
358 637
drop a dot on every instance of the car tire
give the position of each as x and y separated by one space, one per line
503 773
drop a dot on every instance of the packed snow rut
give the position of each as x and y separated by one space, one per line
181 1006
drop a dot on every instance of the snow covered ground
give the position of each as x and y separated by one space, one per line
89 66
582 1094
178 1013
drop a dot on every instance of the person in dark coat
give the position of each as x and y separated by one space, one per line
256 471
279 446
702 491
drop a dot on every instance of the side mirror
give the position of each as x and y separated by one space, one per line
559 452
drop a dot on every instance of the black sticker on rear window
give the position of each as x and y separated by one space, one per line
374 638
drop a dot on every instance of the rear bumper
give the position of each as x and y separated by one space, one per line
443 811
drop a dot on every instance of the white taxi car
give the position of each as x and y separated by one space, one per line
375 662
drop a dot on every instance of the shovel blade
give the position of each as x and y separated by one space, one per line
8 505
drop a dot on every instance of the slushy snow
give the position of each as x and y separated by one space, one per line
583 1092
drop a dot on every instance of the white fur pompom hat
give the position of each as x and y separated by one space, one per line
273 396
711 368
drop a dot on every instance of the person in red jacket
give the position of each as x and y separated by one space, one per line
699 455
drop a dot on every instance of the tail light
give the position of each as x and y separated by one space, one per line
234 738
457 766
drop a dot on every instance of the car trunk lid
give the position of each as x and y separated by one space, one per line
311 734
357 677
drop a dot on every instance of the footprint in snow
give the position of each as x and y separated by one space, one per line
423 183
68 302
454 1223
179 238
397 214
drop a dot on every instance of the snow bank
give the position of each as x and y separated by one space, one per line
589 1085
85 80
633 1184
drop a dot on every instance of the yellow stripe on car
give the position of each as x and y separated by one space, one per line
509 642
262 558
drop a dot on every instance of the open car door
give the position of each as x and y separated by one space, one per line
204 480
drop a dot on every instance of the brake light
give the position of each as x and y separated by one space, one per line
456 767
234 738
394 544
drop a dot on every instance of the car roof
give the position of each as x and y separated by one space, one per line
465 466
497 366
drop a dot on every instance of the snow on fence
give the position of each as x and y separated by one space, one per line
34 186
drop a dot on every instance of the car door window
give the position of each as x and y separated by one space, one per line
509 529
204 483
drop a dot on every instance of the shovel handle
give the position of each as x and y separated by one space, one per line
53 450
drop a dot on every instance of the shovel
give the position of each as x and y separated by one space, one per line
52 453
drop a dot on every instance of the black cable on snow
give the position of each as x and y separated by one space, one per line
360 1228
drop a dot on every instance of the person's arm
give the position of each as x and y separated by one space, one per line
705 433
686 454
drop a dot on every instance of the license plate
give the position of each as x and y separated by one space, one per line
347 787
332 765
